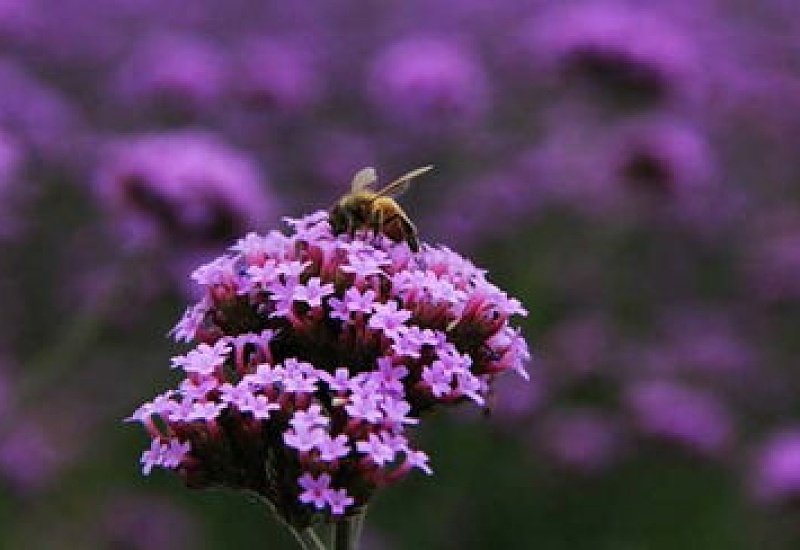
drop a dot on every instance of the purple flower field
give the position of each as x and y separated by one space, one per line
596 346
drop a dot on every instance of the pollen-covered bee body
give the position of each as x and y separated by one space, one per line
365 208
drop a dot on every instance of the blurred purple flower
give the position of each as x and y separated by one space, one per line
278 76
581 440
17 20
82 36
664 158
668 169
187 185
698 343
37 445
38 117
644 171
775 474
681 415
174 75
428 83
32 456
623 54
571 167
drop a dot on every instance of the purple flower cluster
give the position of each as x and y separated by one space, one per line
207 192
315 354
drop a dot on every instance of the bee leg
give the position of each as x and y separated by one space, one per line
351 225
409 231
411 234
377 224
412 241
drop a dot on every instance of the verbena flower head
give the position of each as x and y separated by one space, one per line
314 356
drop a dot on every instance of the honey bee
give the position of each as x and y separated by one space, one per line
365 208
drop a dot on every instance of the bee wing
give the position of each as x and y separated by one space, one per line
400 185
363 179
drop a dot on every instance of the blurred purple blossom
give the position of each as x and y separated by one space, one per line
620 53
699 344
428 83
582 440
16 19
174 75
667 169
279 76
645 171
39 117
775 474
185 185
33 455
682 416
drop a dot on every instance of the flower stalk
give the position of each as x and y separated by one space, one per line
347 534
308 539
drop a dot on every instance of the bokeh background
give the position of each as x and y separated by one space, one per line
628 169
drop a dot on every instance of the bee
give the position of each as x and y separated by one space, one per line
366 208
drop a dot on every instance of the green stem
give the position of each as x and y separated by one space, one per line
348 532
307 538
